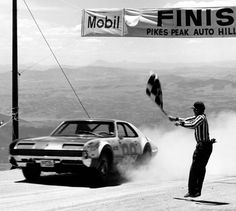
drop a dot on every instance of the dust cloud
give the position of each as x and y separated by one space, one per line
176 146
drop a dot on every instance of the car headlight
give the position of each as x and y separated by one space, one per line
85 154
92 146
86 159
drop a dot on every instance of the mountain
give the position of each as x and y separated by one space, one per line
111 92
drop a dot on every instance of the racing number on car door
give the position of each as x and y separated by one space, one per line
129 142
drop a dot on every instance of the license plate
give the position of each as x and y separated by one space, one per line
21 164
47 163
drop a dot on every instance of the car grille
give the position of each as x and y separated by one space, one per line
25 145
43 152
73 146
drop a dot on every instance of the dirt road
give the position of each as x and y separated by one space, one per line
75 192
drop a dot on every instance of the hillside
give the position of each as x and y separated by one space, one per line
115 93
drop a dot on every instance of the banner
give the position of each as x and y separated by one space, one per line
102 22
161 23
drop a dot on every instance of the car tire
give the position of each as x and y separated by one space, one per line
31 173
145 157
103 168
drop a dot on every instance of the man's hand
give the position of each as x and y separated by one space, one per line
173 118
213 140
177 123
180 122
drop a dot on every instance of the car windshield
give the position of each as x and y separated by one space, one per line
85 128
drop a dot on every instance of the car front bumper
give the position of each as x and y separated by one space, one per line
52 163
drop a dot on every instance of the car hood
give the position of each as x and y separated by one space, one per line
53 142
72 139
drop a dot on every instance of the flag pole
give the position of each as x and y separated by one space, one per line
164 111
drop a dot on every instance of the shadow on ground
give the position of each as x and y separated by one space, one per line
213 203
83 179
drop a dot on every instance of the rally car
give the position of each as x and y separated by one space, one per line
77 144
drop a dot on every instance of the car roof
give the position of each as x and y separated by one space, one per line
95 119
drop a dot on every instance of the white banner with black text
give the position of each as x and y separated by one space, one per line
160 23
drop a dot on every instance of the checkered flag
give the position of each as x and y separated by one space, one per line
154 91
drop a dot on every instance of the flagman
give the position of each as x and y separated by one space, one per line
203 149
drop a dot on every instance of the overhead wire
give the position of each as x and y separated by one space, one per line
31 66
78 98
13 117
2 123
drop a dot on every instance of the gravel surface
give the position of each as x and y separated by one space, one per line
79 192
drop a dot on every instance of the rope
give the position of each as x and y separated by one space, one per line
13 117
31 66
2 124
56 59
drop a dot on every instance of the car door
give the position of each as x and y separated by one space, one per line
128 139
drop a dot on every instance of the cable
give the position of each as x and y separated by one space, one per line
13 117
2 123
56 59
30 67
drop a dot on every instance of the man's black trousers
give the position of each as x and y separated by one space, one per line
197 173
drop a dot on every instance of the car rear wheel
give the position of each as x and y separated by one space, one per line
31 173
145 157
103 168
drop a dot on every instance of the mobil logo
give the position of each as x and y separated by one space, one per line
104 22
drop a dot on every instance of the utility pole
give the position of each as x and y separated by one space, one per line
15 116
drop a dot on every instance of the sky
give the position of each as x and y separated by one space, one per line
60 21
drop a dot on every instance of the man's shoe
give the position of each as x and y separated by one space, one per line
192 195
187 195
195 195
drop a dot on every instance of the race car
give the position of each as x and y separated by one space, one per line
99 144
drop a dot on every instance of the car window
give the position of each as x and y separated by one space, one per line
69 129
83 127
121 130
99 128
106 128
126 130
130 131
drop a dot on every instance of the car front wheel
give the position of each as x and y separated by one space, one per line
103 168
31 173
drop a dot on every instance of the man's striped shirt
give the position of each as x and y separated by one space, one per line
200 125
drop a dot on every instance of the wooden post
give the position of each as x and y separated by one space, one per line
15 116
